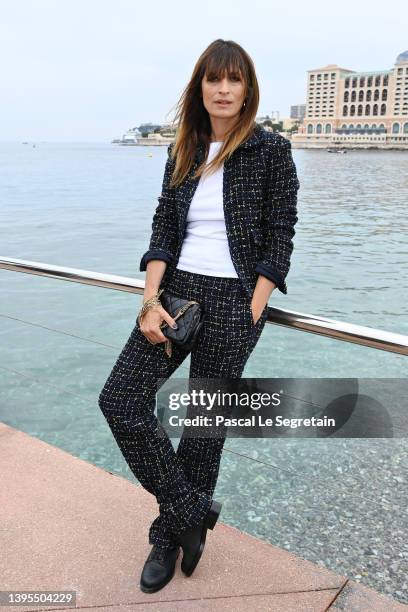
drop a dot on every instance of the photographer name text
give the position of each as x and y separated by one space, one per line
251 421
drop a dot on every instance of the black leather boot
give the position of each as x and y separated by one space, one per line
158 569
192 540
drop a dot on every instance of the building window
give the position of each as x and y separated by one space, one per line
347 83
351 126
384 94
385 79
377 80
395 128
383 109
366 127
319 128
362 81
328 128
310 129
353 96
359 126
361 95
370 81
344 126
376 95
375 109
360 110
345 110
405 128
354 82
369 93
367 112
352 110
346 96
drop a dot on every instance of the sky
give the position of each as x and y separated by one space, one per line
88 70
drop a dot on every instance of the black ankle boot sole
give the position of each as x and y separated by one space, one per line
208 523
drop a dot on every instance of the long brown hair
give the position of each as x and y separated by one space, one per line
192 118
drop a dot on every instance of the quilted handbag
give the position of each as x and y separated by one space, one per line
189 316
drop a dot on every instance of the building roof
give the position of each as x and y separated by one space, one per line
402 57
330 67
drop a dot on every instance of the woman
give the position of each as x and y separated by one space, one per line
222 237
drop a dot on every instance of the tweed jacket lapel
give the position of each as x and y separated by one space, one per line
185 192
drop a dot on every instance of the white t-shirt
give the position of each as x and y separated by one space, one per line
205 247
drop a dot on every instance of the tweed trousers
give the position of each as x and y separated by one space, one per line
182 481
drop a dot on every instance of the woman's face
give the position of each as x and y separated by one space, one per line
230 88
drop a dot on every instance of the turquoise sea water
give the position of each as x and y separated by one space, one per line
90 206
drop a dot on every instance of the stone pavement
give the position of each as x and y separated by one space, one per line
66 524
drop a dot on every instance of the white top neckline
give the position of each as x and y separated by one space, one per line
206 230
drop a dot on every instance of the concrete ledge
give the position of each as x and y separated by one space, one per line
69 525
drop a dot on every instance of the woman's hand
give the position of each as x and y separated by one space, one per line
260 297
151 321
257 310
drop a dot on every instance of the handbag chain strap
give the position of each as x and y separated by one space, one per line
181 311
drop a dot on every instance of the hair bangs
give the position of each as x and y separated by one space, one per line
225 61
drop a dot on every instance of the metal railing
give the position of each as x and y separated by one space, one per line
338 330
348 488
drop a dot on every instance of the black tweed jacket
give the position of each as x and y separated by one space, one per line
260 187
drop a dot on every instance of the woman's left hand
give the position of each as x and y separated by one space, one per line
256 311
260 297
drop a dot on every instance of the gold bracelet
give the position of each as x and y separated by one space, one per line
148 304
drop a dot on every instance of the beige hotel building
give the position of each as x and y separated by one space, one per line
359 109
